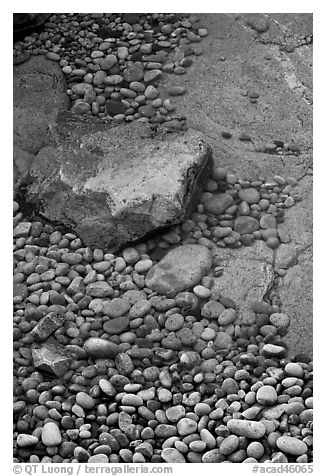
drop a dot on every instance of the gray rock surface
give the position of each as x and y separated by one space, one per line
39 92
113 186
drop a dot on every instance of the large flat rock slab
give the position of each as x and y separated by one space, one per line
115 185
40 92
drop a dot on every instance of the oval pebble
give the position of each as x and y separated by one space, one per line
51 435
266 395
279 319
174 322
255 450
202 292
85 401
291 445
247 428
172 455
294 369
186 426
229 445
24 440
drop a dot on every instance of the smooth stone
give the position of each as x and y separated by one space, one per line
100 348
213 456
165 431
218 203
247 428
174 322
174 414
99 289
230 386
117 307
267 221
212 310
180 269
223 340
172 455
274 413
186 426
291 445
254 450
273 350
85 401
249 195
132 400
245 225
202 292
266 395
24 440
229 445
51 435
116 326
98 458
133 73
176 90
294 369
227 317
279 319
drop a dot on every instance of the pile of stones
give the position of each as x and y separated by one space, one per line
113 62
136 357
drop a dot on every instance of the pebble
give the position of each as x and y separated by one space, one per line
85 401
116 326
186 426
202 292
24 440
180 269
249 195
247 428
174 322
245 225
266 395
212 310
279 319
294 369
227 317
51 435
175 413
218 204
176 90
255 450
291 445
229 445
100 348
172 455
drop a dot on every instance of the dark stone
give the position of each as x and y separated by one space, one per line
114 107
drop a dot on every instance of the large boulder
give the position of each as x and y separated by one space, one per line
115 185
